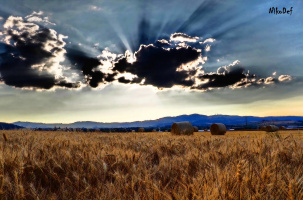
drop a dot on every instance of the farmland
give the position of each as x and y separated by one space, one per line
77 165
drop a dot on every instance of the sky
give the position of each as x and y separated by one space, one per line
133 60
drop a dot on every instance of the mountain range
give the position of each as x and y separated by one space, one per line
7 126
195 119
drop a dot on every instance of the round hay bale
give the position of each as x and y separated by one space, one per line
154 130
218 129
271 128
182 128
133 131
196 129
282 128
141 130
263 128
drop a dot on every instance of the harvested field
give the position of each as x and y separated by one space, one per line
75 165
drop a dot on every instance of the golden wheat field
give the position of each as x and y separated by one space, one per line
75 165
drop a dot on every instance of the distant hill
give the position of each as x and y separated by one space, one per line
6 126
195 119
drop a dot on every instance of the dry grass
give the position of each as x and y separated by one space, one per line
239 165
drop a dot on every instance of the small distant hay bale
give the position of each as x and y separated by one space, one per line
282 128
196 129
165 130
133 131
141 130
154 130
205 130
271 128
218 129
182 128
263 128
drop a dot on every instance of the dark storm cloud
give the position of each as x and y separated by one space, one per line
224 77
64 83
236 76
32 55
159 66
82 61
123 80
174 60
164 65
89 67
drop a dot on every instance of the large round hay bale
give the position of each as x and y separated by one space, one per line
271 128
218 129
141 130
282 128
196 129
182 128
263 128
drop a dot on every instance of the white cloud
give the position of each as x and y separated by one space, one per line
284 78
208 40
182 37
207 48
163 41
269 80
94 8
38 18
96 45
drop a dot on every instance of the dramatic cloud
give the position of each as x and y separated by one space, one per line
89 67
225 76
166 64
273 80
160 67
234 76
32 56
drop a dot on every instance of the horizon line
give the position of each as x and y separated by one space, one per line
151 119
